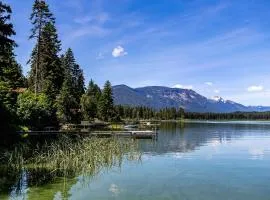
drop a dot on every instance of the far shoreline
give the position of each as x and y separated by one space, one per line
204 120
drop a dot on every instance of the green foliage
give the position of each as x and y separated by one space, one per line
6 43
12 74
10 80
88 107
93 90
34 110
10 71
7 120
52 69
40 16
229 116
68 101
127 112
67 157
46 74
67 105
89 101
73 70
7 97
105 106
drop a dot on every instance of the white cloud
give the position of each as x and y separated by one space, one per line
216 91
119 51
255 88
183 86
208 83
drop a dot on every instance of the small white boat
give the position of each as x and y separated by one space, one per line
131 126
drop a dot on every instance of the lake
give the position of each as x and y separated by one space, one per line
189 161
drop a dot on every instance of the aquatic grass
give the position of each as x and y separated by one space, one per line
69 157
64 158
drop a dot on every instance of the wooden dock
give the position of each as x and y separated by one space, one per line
136 134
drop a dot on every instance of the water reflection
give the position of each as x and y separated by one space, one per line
33 184
189 160
187 137
49 169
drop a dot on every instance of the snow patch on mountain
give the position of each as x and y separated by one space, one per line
218 99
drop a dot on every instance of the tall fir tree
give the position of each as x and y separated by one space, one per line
89 101
10 70
6 32
106 106
72 69
93 90
68 101
46 74
52 72
66 104
11 76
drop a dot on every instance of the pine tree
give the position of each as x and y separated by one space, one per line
79 82
6 31
89 101
66 104
10 71
46 48
93 90
68 101
181 113
52 72
106 107
72 69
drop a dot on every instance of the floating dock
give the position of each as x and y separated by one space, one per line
136 134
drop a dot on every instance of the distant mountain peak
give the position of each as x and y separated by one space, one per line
164 97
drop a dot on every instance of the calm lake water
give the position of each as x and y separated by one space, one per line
191 161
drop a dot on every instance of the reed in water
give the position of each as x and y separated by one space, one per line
69 157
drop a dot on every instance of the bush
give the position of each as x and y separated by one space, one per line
35 110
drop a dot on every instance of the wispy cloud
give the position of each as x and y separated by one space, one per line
99 18
94 31
255 88
208 83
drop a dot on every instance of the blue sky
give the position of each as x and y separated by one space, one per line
214 47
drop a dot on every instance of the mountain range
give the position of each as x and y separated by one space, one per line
158 97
